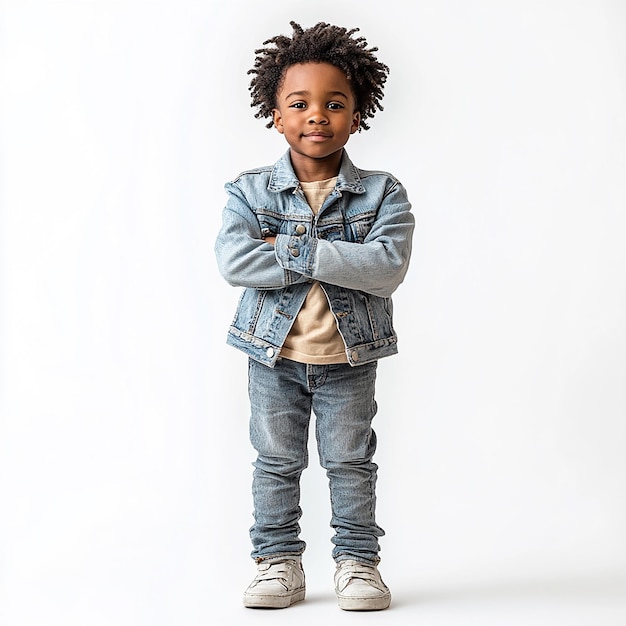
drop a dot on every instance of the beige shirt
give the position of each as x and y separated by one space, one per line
314 337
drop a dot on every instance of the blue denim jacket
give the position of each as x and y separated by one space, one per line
358 248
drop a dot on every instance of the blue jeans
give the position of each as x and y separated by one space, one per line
342 399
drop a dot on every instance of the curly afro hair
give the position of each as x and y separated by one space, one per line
322 43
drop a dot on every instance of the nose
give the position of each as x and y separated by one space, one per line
317 115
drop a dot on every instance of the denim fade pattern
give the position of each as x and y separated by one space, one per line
342 398
358 247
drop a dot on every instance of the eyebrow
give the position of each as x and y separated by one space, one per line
307 93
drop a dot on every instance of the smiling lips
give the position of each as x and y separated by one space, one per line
317 135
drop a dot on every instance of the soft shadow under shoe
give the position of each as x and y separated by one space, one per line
279 583
359 587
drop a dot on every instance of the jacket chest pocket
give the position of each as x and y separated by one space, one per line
360 225
331 231
268 223
271 223
346 228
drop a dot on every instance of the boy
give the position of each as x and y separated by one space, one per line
319 246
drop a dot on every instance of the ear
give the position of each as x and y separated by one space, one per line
356 121
278 121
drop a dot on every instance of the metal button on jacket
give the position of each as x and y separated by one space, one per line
300 229
294 251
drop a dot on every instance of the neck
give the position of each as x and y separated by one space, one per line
309 170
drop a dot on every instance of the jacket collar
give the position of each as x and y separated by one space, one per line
283 177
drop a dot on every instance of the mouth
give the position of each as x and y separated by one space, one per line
317 136
317 133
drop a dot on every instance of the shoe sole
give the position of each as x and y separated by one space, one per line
273 602
364 604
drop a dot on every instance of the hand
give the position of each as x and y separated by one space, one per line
270 239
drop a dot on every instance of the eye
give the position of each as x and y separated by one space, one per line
335 105
297 105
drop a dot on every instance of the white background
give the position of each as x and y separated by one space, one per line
124 460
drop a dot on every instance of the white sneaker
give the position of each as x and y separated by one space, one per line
278 584
359 587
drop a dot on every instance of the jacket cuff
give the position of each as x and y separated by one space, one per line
296 253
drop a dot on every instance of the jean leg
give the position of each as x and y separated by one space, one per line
279 423
344 407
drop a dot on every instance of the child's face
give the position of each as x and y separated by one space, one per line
315 110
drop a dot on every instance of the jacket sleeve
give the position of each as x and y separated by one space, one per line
244 259
376 266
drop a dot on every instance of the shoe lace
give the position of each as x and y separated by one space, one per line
357 570
276 571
